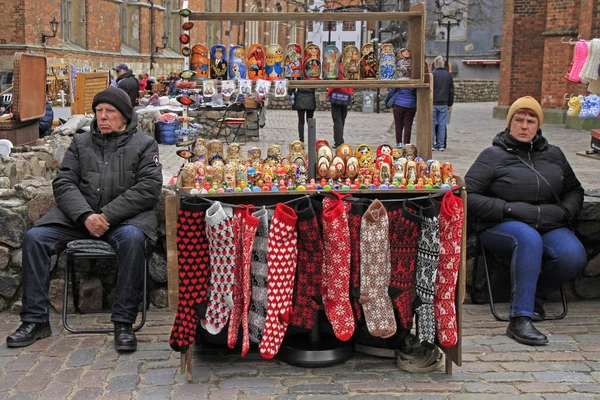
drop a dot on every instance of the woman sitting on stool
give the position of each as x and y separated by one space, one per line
524 196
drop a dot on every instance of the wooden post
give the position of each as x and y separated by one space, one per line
425 117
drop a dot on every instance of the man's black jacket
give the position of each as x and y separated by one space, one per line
117 174
129 83
502 188
443 88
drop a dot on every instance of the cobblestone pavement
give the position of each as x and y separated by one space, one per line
471 130
69 366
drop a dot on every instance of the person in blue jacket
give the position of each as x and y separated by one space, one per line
404 109
46 121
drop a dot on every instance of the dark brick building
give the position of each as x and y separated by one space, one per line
534 59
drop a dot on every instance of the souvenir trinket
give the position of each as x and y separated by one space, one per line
188 176
199 62
293 61
325 152
331 62
344 152
273 154
218 62
312 62
368 62
237 63
362 150
352 167
274 62
256 62
187 26
387 62
410 152
403 64
186 51
350 63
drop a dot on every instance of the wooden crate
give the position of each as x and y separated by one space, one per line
88 85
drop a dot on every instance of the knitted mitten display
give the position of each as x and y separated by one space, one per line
219 230
194 270
404 234
259 273
336 267
355 215
427 261
281 260
375 272
308 270
451 226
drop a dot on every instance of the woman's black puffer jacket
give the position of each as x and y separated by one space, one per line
502 188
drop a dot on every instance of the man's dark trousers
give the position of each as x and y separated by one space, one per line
40 243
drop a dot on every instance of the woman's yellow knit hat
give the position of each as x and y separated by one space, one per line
529 103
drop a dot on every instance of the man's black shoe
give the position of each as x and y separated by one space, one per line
523 331
28 333
125 339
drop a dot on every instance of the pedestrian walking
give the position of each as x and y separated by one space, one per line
340 100
404 107
305 104
443 99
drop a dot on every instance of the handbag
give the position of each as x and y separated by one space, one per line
389 102
340 98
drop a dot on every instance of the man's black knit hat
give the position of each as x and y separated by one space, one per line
118 98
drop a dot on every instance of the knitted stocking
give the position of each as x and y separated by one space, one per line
404 235
219 229
427 262
281 261
375 272
258 304
238 288
308 271
194 269
451 225
251 224
336 267
354 220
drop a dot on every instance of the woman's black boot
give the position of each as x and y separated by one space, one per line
523 331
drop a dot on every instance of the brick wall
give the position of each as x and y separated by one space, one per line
534 60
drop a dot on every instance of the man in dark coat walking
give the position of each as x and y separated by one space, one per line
107 188
127 81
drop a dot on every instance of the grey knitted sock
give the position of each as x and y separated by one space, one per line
259 272
427 262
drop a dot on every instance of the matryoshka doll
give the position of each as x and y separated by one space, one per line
350 62
410 152
344 152
237 63
331 62
214 150
234 153
447 173
274 62
352 167
241 175
229 174
368 62
254 154
188 176
403 64
362 150
256 62
411 172
218 62
199 62
273 154
312 62
338 167
387 62
293 61
435 172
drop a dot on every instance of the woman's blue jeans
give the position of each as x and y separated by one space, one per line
41 243
540 263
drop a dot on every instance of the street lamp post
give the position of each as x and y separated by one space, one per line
451 20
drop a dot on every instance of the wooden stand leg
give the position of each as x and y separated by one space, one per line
448 365
185 364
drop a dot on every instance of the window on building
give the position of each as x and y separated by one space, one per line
172 22
349 26
329 26
73 22
130 25
309 26
344 44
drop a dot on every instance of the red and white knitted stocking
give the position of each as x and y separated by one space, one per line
238 289
355 215
281 260
451 225
375 272
219 230
194 270
250 226
336 267
308 271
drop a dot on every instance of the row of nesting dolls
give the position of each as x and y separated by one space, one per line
273 63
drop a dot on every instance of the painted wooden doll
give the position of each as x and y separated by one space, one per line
293 61
199 62
312 62
237 63
331 62
368 62
218 62
256 62
387 62
403 64
274 62
350 63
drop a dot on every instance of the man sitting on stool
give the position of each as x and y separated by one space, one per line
107 187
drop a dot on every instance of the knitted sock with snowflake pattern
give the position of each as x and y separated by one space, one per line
375 272
235 318
404 234
219 230
427 262
355 215
281 260
259 274
451 225
194 270
308 270
336 267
